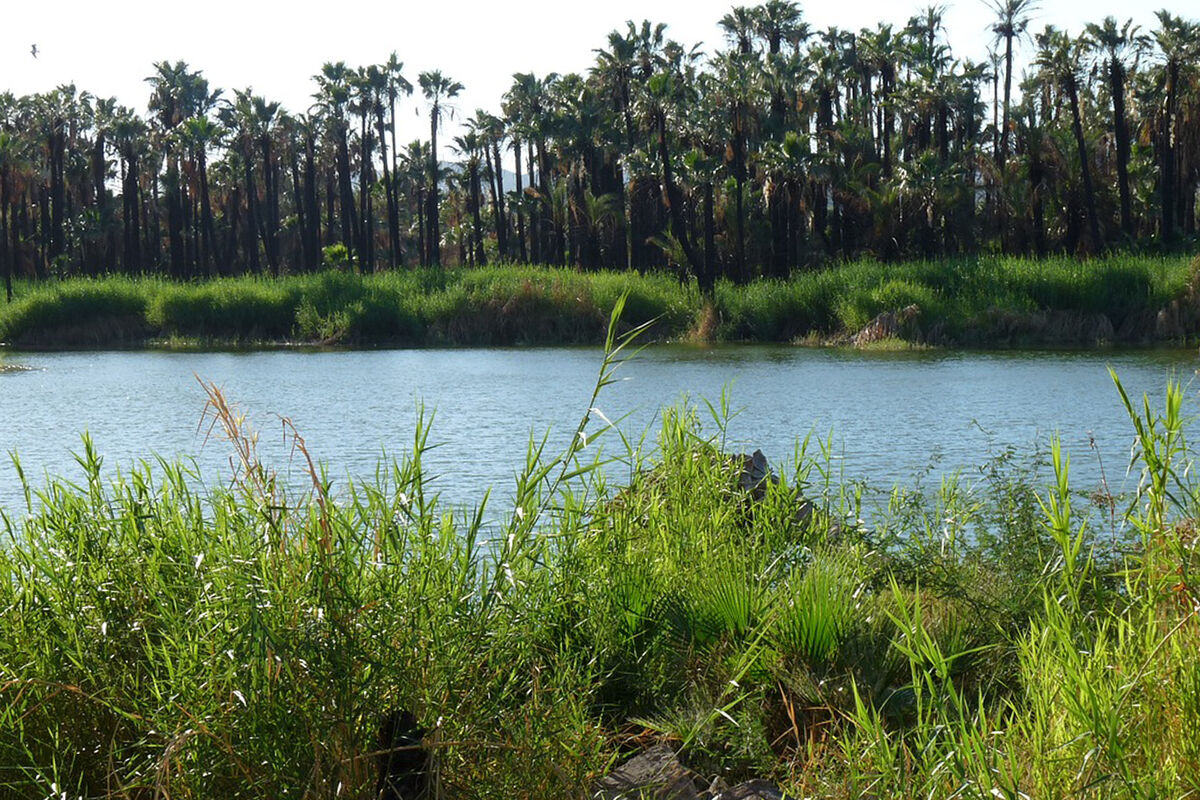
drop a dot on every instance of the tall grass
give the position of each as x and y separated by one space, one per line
984 301
999 640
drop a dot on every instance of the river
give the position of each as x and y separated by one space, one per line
893 416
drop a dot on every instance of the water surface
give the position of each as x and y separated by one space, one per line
892 415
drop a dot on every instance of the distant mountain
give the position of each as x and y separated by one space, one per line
510 178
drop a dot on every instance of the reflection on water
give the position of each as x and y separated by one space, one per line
892 415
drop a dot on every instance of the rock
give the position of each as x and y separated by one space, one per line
901 324
403 760
751 790
655 774
755 475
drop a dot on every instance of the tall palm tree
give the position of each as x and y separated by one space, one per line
663 102
739 26
737 77
332 99
1059 57
240 118
264 125
1179 41
12 162
470 146
437 89
526 103
492 133
392 85
177 94
200 134
129 134
1118 49
1012 20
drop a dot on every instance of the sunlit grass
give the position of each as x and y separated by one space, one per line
985 301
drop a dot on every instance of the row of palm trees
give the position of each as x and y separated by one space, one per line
788 147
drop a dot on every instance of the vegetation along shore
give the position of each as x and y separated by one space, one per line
989 302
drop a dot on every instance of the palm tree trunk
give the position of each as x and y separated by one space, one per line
1002 153
346 194
708 276
435 236
1088 190
535 222
520 215
739 177
674 198
476 218
313 231
57 188
393 221
366 230
206 218
130 222
6 253
1116 78
1167 154
302 221
1037 190
252 215
175 218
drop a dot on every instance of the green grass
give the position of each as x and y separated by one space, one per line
1006 639
988 301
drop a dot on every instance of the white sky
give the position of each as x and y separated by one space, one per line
108 48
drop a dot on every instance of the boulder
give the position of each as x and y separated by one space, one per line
655 774
751 790
900 324
755 474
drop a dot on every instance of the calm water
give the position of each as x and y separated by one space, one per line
891 414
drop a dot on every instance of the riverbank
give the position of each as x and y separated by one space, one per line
1005 639
988 302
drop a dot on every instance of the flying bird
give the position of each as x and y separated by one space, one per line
33 51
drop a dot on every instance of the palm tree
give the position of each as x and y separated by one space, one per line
662 101
620 71
1012 19
129 135
437 89
12 163
366 84
177 94
491 132
413 175
1179 41
1118 46
739 26
737 79
470 146
333 97
265 121
526 102
200 133
239 117
389 82
1059 57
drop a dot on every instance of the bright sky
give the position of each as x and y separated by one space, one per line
108 48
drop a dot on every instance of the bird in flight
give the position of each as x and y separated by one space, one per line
33 51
